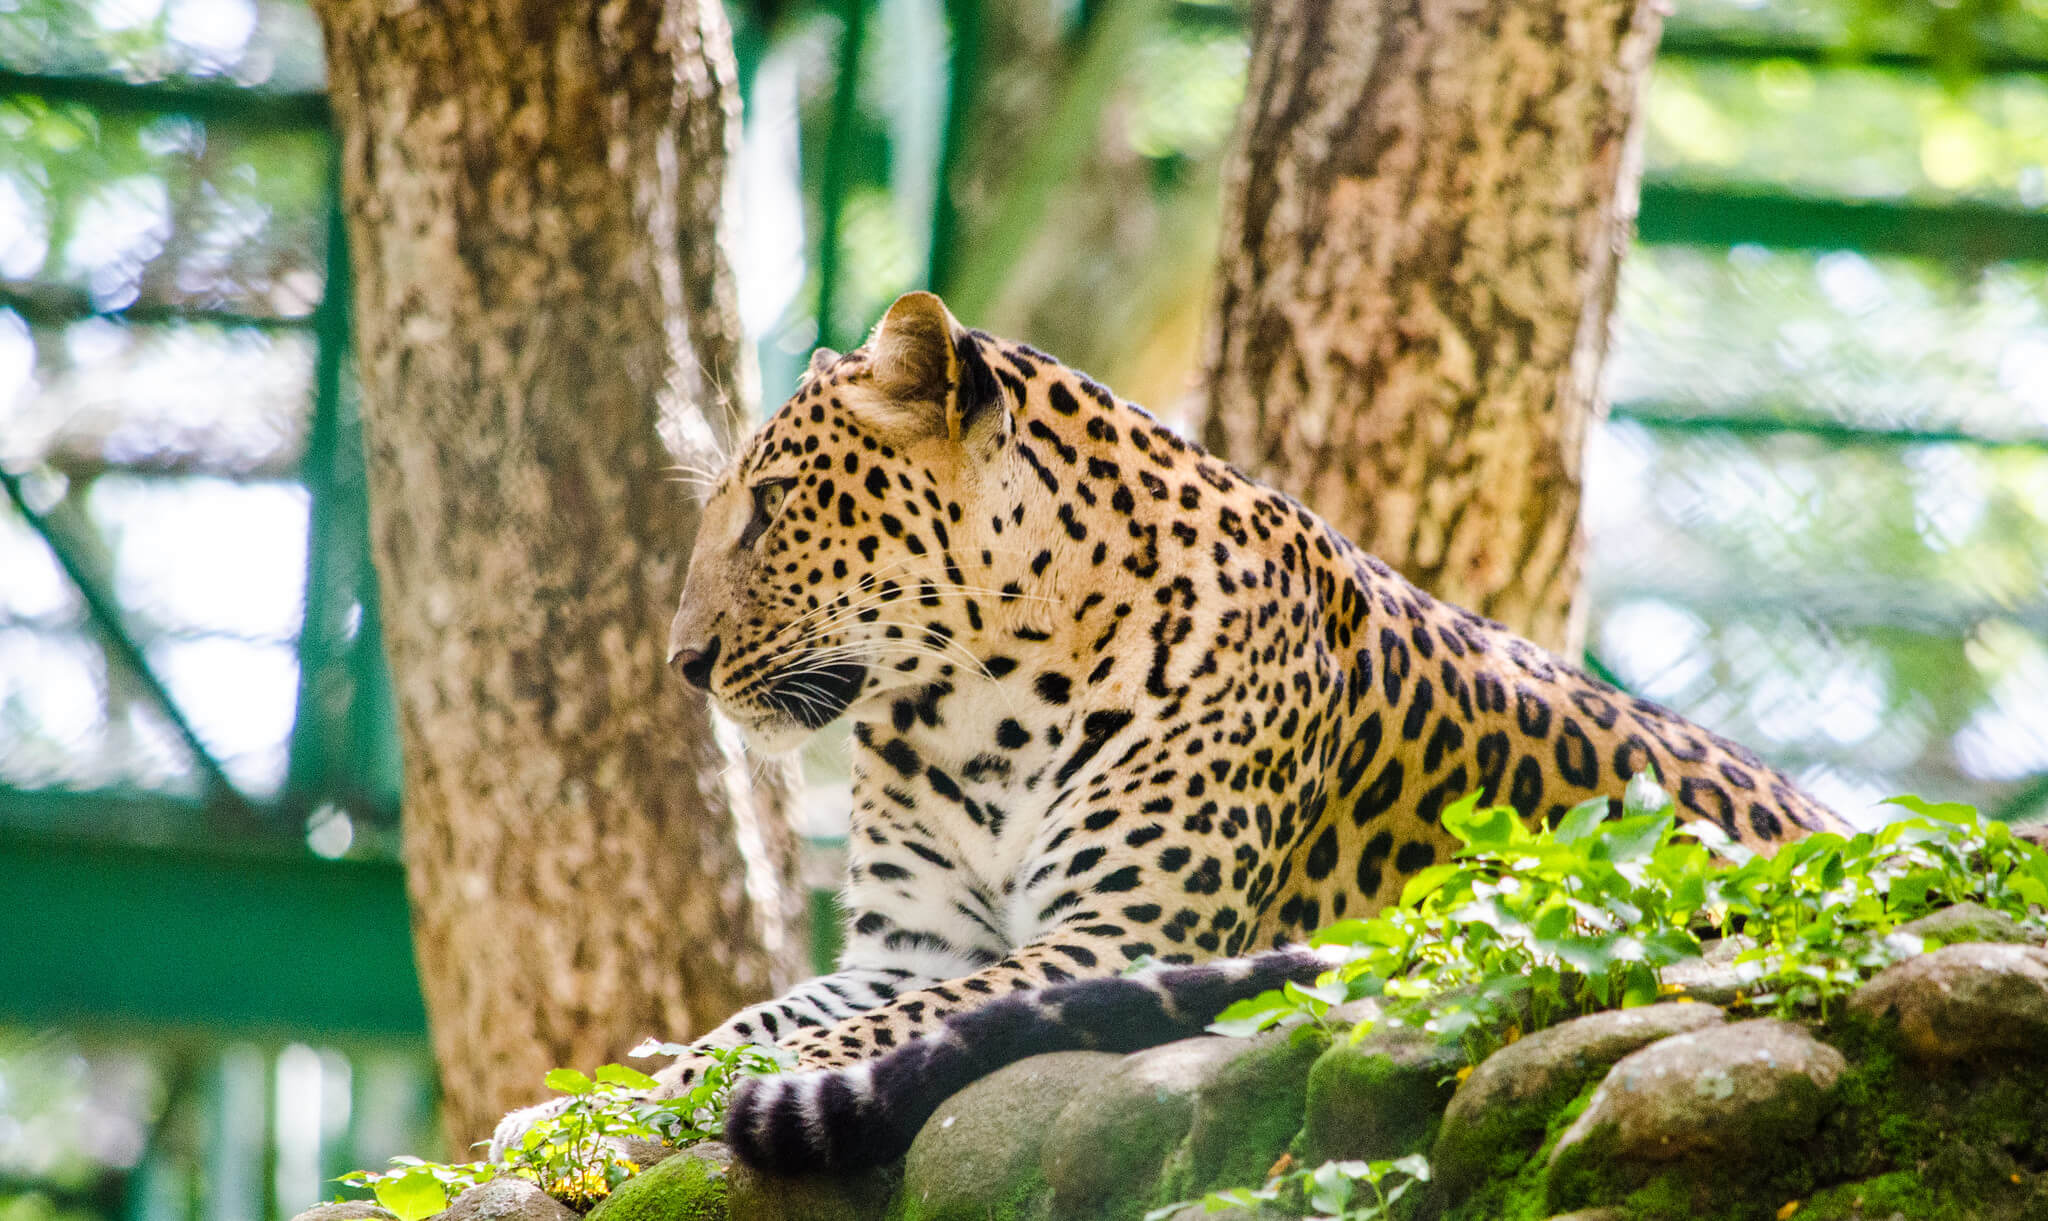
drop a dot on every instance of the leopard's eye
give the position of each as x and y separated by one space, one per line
768 497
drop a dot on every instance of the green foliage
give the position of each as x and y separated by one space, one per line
1330 1192
570 1154
1525 927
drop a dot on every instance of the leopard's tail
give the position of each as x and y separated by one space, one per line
839 1120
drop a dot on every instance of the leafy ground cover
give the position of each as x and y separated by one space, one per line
1524 928
575 1155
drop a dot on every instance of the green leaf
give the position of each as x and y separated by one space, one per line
412 1195
1636 837
1664 947
631 1078
1493 827
1252 1014
568 1081
1719 842
1426 883
1942 811
1639 987
1589 956
1581 820
1330 1188
1645 794
1348 932
1328 990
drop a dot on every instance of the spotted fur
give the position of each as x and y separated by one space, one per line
1111 701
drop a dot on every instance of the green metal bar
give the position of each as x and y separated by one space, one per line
963 18
838 154
125 816
53 305
1066 141
1665 419
1683 40
2031 796
105 612
312 764
1675 213
245 107
1598 669
101 933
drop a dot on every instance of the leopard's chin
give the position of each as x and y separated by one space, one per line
772 735
815 694
796 703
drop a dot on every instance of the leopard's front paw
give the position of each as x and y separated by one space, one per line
512 1129
681 1075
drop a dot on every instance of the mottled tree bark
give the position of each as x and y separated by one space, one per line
532 191
1424 210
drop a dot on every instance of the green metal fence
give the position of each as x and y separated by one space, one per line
1819 514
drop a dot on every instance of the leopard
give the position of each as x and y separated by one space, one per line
1126 725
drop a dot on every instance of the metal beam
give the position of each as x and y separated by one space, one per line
215 103
1683 40
52 305
106 615
101 933
1677 213
1763 424
853 18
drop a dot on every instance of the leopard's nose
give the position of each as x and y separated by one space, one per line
695 664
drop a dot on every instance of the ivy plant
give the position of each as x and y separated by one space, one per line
1333 1191
1525 927
574 1155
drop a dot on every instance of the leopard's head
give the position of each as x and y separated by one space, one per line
823 574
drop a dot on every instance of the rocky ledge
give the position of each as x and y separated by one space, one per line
1924 1097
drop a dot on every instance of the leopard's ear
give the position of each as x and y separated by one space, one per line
924 362
822 361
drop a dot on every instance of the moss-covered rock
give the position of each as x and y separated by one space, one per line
347 1210
1966 922
1509 1099
1379 1097
506 1199
981 1153
688 1186
811 1197
1715 977
1106 1152
1246 1114
1963 1001
1715 1098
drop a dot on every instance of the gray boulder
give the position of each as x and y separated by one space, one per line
1963 1000
347 1210
1966 922
1715 978
752 1196
1715 1094
1508 1100
507 1199
690 1185
1109 1147
983 1147
1247 1114
1378 1097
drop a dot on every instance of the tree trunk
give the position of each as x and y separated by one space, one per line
1424 210
532 189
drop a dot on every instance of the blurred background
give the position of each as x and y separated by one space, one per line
1818 511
